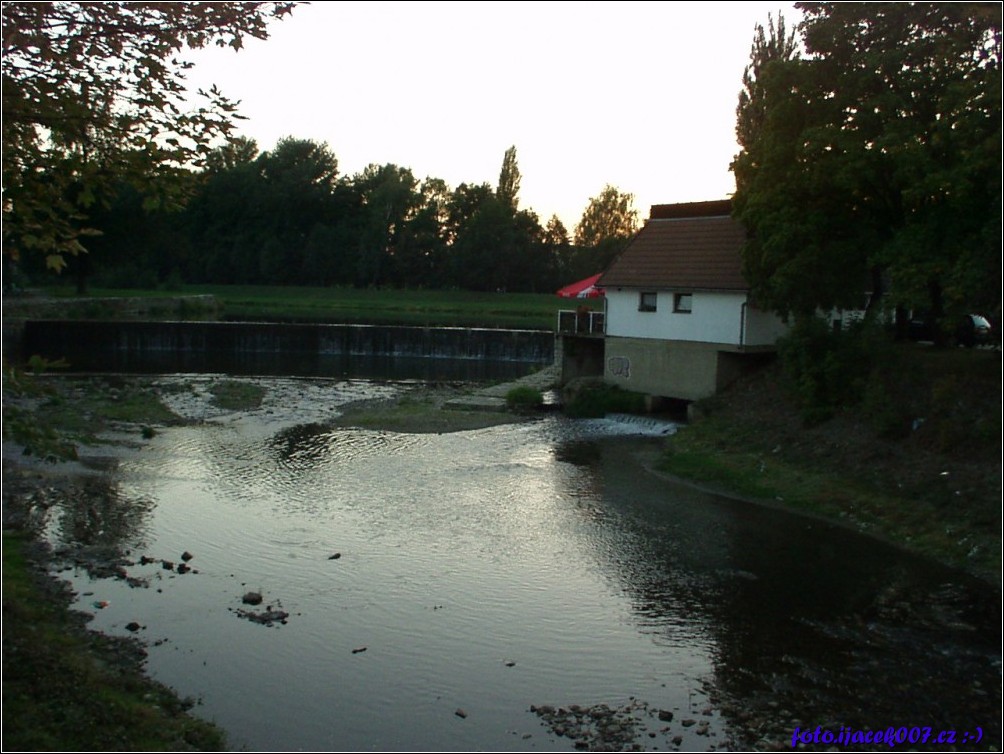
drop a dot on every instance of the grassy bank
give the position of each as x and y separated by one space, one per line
69 689
934 488
534 311
421 412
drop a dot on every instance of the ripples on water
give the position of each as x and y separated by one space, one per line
497 569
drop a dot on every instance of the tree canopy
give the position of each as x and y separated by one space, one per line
872 162
94 94
611 214
609 221
509 178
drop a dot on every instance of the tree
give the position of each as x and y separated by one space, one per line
420 255
508 190
923 102
226 221
297 179
94 95
558 253
237 151
791 205
390 198
555 233
779 46
528 266
875 157
482 248
609 215
464 202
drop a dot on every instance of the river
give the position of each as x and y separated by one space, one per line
523 587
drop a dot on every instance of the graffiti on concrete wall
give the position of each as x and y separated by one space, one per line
619 366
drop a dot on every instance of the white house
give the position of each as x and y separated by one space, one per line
679 319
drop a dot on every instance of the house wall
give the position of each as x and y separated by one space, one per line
715 317
674 369
763 328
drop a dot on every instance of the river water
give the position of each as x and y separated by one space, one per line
443 592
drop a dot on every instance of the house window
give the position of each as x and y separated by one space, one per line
647 301
682 303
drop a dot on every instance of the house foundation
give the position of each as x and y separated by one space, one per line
680 370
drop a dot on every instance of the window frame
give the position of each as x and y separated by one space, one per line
683 303
648 305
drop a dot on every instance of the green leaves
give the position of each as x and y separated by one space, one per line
93 95
876 156
509 178
609 215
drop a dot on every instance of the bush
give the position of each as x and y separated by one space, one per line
829 369
234 395
524 398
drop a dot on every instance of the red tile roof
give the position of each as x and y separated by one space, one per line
683 247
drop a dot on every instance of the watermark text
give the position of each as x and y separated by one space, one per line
891 736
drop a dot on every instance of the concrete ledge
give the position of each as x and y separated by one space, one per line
476 403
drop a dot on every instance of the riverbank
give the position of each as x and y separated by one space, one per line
933 489
456 407
67 688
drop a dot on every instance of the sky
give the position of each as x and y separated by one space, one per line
637 95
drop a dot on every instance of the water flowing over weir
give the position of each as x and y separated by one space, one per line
273 348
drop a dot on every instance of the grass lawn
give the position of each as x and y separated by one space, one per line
534 311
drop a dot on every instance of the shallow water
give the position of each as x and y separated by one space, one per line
491 571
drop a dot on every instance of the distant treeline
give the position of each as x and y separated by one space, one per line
287 217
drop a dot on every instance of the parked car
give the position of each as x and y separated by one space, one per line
973 330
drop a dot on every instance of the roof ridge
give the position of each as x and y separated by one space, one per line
697 217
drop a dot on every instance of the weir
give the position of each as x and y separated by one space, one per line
276 348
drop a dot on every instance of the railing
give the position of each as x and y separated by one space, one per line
576 322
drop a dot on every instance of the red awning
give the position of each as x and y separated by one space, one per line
582 289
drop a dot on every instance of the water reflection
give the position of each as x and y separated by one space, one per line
88 518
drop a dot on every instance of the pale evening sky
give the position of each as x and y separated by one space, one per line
639 95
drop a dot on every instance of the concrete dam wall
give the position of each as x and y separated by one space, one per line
271 348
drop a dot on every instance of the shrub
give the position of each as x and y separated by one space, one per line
524 398
828 369
234 395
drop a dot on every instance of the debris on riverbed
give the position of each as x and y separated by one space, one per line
271 615
109 563
268 617
602 727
